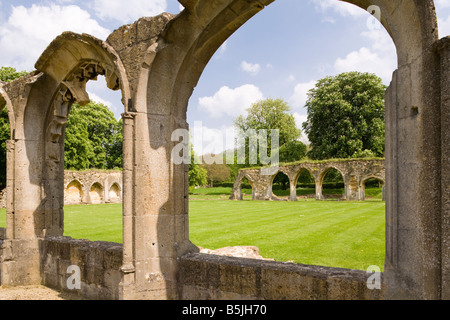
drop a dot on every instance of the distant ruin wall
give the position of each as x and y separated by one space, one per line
355 173
87 187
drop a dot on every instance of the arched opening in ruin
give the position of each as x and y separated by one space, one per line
115 193
305 185
332 183
96 194
7 126
73 193
280 185
246 189
372 188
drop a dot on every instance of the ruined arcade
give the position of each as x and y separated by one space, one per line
156 63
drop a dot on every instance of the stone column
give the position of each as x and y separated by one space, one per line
293 190
444 53
128 267
319 195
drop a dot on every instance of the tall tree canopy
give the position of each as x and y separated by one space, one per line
93 138
267 115
346 117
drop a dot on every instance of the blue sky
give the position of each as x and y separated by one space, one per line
279 53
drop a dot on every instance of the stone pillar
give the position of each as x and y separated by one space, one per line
444 53
293 189
128 268
319 195
413 185
352 190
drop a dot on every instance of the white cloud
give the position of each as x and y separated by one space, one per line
207 140
128 11
380 58
230 102
299 119
28 31
251 68
95 98
343 8
441 4
443 17
444 27
300 96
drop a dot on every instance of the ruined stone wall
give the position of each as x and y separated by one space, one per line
355 173
99 264
92 187
206 277
87 187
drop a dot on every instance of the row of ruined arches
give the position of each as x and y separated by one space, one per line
95 193
350 176
246 188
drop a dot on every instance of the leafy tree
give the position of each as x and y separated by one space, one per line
93 138
293 151
217 172
7 74
346 116
267 115
198 176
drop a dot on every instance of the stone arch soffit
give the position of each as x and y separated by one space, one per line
367 178
72 60
300 171
246 177
5 102
75 182
272 178
117 184
194 35
327 169
98 185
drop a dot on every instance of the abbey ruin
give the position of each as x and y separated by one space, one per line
355 173
156 63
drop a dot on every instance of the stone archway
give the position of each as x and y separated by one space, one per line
115 193
73 193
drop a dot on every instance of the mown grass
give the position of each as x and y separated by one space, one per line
329 233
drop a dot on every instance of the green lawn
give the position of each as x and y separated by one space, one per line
329 233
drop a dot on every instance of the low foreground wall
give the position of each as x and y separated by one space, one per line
98 262
206 276
201 276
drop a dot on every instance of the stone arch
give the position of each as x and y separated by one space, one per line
183 51
115 193
64 68
297 176
365 179
96 193
322 176
250 181
5 102
73 192
284 180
